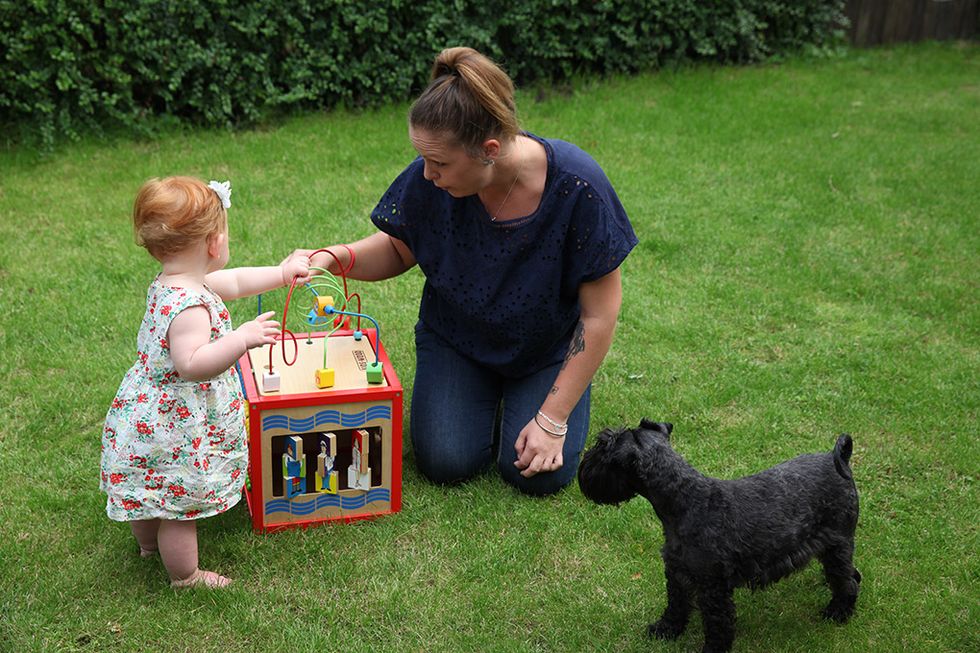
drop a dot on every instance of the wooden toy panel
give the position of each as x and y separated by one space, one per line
348 357
308 422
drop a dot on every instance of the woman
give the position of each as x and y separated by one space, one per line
520 240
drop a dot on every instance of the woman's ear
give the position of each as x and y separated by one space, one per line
491 148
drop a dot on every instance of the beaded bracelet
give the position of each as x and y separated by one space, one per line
560 429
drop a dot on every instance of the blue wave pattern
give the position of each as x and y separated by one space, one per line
327 501
346 420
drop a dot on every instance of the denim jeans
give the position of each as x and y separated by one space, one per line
454 418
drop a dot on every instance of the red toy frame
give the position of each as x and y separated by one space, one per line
257 494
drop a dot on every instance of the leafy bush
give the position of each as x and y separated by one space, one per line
70 66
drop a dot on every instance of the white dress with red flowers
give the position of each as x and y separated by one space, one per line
173 449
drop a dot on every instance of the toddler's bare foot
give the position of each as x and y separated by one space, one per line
201 578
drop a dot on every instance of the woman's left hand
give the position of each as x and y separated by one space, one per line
538 451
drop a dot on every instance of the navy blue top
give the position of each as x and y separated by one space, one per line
506 294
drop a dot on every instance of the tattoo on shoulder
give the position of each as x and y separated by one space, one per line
577 345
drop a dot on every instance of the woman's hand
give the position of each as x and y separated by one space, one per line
538 451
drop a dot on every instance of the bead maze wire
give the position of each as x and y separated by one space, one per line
323 313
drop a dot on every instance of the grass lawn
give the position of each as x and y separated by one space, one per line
808 264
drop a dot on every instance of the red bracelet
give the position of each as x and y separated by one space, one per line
350 266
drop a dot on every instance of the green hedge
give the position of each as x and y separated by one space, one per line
74 66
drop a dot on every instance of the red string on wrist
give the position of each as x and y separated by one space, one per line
350 266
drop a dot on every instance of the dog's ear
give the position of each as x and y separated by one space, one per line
612 442
666 428
606 435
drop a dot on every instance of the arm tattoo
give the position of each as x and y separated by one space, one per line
577 345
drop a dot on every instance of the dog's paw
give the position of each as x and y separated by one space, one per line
839 612
664 629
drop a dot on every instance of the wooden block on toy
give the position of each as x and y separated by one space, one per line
357 480
375 373
324 464
293 460
291 467
294 447
361 443
271 381
328 443
322 302
330 487
295 485
324 377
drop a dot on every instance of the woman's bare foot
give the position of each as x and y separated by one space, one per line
201 578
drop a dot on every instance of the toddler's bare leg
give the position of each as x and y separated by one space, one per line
145 532
178 550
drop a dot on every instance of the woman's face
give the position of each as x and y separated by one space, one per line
449 166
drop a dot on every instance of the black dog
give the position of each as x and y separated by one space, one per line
720 535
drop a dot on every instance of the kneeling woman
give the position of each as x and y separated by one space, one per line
520 239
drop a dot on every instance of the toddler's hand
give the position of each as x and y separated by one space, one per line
296 266
260 331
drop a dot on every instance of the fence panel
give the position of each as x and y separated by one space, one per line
874 22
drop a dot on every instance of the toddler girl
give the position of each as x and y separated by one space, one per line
174 447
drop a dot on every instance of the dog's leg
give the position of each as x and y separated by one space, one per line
674 619
844 580
718 614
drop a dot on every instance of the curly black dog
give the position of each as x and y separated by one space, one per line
722 534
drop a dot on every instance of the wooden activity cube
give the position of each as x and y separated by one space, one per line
365 419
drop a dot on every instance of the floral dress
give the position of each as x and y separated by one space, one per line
173 449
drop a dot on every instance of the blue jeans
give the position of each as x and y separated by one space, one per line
455 404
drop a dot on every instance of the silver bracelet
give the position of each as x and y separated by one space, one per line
560 429
554 434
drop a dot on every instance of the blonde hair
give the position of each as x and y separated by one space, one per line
469 97
173 213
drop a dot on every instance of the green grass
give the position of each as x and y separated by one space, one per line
808 264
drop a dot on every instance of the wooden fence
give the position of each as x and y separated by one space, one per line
889 21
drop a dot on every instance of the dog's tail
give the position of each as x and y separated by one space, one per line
842 455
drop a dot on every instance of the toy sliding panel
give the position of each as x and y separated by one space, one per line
326 462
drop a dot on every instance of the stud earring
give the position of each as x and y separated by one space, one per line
488 162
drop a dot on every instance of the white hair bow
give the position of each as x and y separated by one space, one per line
223 189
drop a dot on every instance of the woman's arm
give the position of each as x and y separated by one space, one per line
377 257
600 300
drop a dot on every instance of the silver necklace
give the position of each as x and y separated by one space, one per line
520 169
